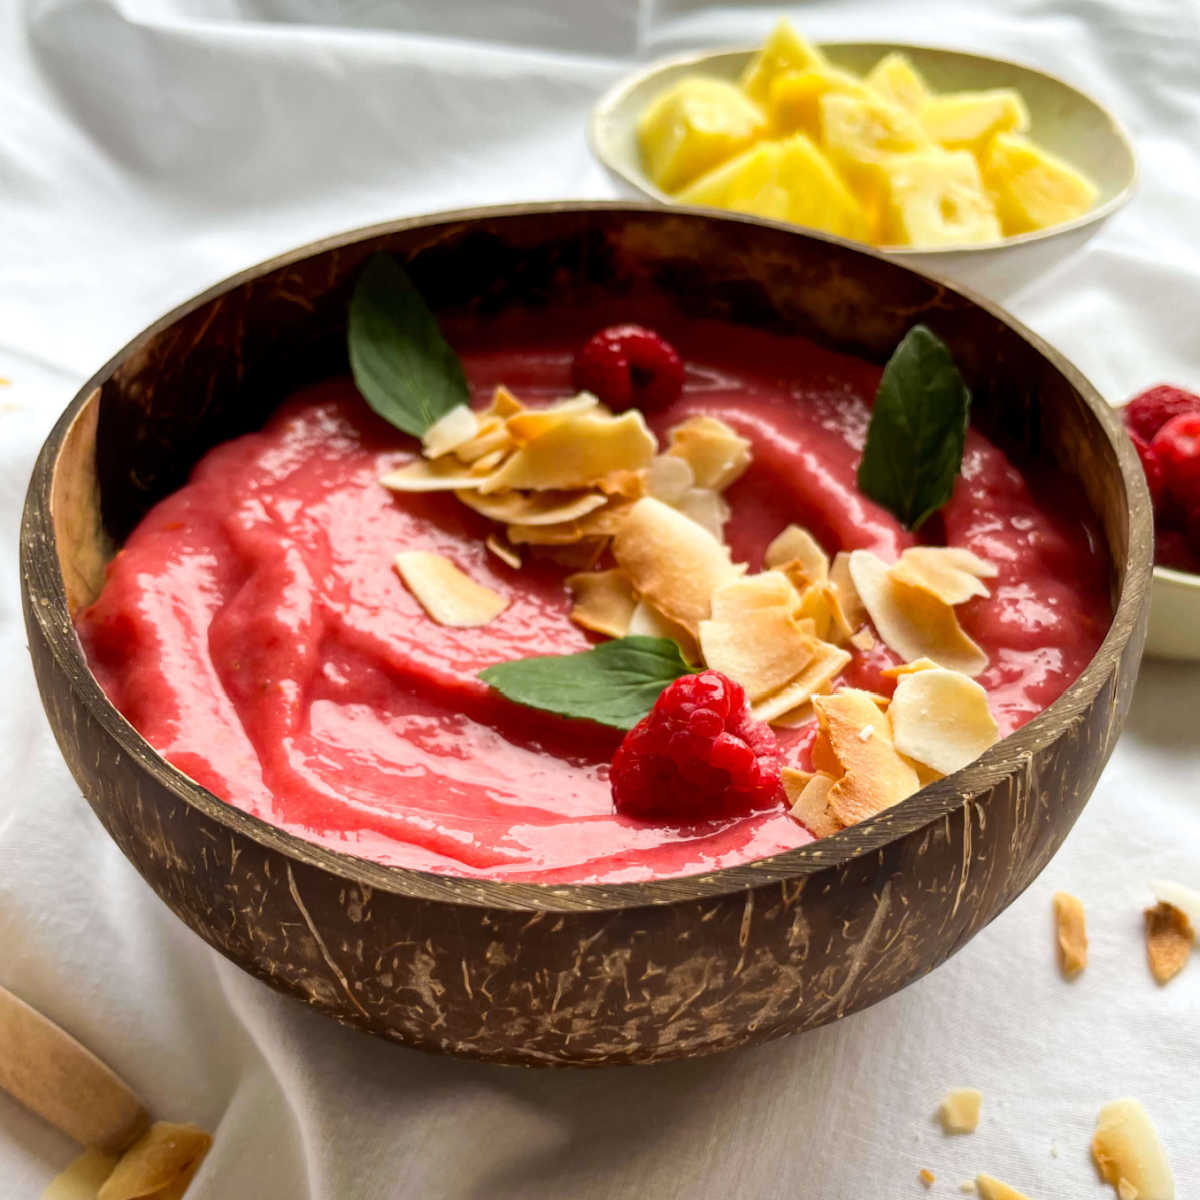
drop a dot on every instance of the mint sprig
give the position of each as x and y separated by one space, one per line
406 371
918 428
615 683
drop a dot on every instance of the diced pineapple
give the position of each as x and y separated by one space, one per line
692 127
965 120
785 50
861 135
788 180
895 79
937 198
1031 187
793 104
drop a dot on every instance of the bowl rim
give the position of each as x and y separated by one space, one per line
932 803
602 112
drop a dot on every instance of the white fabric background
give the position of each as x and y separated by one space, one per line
150 147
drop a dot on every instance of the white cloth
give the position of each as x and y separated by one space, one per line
151 147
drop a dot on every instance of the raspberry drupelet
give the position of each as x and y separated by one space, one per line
698 755
1150 410
629 366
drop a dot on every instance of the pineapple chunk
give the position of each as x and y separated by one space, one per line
795 95
895 79
965 120
861 135
692 127
788 180
1031 187
937 198
785 50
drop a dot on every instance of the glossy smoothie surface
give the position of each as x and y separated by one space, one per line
253 630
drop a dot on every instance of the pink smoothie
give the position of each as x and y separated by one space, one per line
254 631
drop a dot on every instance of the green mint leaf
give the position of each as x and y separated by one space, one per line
406 371
915 441
615 683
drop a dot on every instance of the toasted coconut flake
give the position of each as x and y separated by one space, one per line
808 797
796 545
992 1189
531 423
927 1177
1169 940
669 478
445 475
503 551
1127 1149
941 719
449 432
578 556
649 622
908 668
863 640
1186 899
604 601
602 522
790 705
913 622
874 775
738 597
950 573
447 594
576 452
491 442
488 463
533 508
959 1110
842 583
714 451
672 561
760 648
819 602
630 484
1071 932
707 508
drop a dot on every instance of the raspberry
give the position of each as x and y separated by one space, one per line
698 755
1152 468
628 365
1150 410
1171 549
1177 447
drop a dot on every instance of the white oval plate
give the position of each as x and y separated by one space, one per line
1062 119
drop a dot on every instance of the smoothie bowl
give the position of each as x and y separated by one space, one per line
257 664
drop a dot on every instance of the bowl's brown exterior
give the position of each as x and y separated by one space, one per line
577 974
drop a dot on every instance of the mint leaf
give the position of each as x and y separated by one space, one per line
915 441
406 371
615 683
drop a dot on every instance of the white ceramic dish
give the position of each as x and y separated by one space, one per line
1062 119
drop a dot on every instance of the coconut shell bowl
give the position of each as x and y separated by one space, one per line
586 974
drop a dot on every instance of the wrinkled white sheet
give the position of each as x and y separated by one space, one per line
150 147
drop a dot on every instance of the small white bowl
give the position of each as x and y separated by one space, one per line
1062 119
1174 615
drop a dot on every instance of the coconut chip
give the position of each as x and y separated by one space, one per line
1071 931
912 621
909 668
797 545
707 508
536 508
449 432
672 561
959 1110
992 1189
808 796
927 1177
504 552
530 423
577 451
820 604
647 621
1169 940
604 601
950 573
1128 1152
444 475
669 479
446 594
843 585
716 454
600 523
1186 899
871 775
790 705
941 720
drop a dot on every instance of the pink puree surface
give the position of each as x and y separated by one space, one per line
254 631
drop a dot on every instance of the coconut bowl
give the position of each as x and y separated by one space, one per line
583 974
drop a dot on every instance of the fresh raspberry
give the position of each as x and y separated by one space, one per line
1177 447
698 755
628 366
1172 549
1152 468
1150 410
